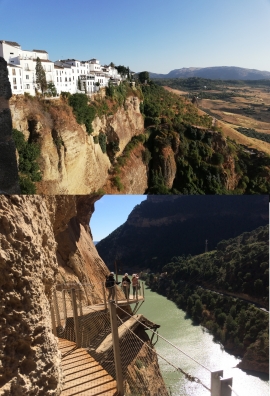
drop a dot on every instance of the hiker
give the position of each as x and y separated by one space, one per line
126 285
109 284
135 284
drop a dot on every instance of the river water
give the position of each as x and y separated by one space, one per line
199 344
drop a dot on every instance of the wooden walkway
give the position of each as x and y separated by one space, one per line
83 375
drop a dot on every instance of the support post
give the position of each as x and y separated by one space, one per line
64 304
116 349
75 317
80 302
137 293
143 288
53 320
215 382
104 296
56 308
225 390
115 292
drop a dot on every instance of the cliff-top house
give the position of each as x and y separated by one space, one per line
69 75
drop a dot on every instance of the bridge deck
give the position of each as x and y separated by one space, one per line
83 374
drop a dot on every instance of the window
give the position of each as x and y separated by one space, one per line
73 78
11 53
14 80
57 79
27 76
69 78
27 86
65 79
72 70
60 79
13 72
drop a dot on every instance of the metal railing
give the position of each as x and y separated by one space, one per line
117 340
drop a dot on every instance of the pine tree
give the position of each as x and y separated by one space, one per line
40 76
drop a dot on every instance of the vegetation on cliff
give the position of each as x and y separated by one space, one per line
204 161
29 171
212 289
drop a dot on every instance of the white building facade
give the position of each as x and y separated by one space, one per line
69 75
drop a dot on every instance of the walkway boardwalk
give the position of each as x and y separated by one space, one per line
83 374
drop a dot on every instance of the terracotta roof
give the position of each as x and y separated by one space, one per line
58 67
13 43
45 52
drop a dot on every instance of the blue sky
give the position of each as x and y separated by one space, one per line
153 35
110 212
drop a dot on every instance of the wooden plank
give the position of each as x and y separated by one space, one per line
83 374
130 324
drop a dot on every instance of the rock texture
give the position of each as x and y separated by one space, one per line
44 242
9 181
71 162
133 175
30 362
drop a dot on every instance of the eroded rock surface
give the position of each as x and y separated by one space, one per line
72 161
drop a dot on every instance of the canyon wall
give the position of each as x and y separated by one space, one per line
72 161
45 242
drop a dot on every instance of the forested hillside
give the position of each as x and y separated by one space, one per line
188 155
213 288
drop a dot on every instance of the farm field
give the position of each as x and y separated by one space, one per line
235 107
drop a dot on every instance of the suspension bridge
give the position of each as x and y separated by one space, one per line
104 350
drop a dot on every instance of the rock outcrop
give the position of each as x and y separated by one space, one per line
9 182
45 242
71 161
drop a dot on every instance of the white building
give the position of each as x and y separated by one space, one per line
68 75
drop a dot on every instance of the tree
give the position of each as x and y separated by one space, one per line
79 84
40 76
51 90
143 76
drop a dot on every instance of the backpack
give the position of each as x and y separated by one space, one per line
107 282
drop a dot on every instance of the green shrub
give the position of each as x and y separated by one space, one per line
84 113
29 171
117 183
102 141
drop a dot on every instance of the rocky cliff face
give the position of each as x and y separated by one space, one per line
71 161
8 163
45 241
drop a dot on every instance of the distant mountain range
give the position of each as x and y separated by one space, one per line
216 72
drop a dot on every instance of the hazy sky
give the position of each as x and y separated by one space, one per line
110 212
153 35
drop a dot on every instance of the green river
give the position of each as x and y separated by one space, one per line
199 344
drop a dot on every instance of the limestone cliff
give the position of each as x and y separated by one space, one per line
44 241
72 161
8 163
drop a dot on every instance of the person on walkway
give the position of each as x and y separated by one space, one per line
135 284
126 285
109 284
